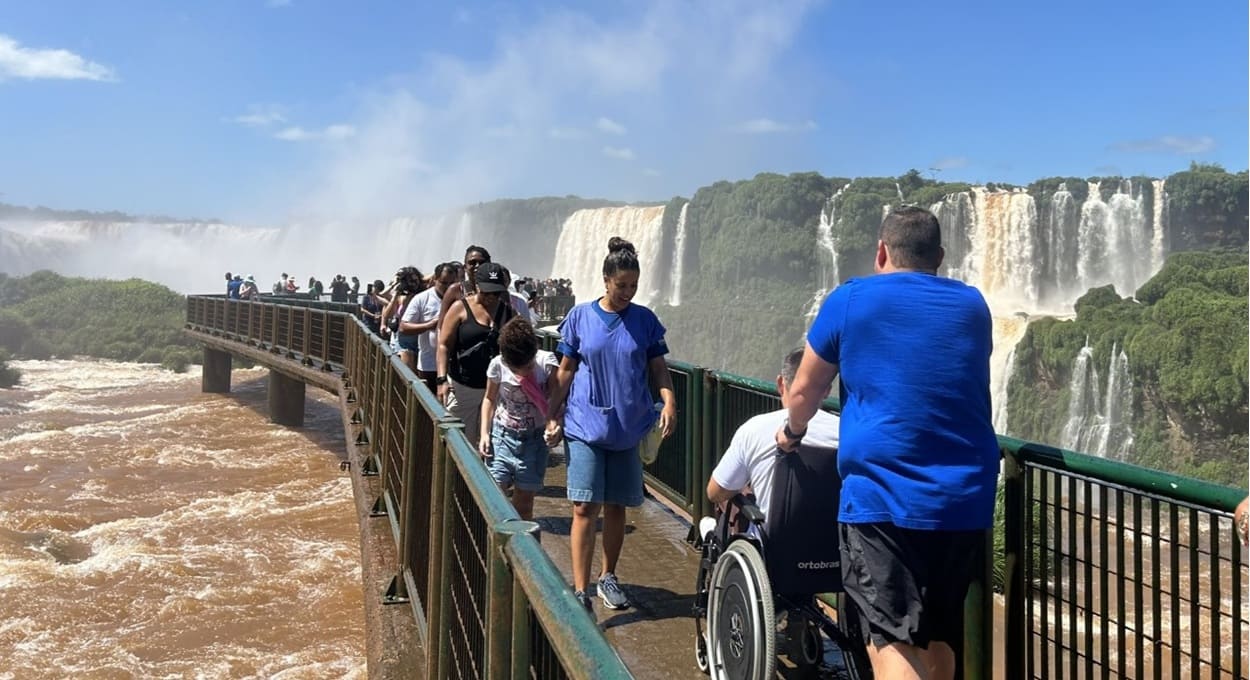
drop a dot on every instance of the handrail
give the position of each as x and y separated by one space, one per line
1164 484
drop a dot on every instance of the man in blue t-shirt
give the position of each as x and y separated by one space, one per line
918 457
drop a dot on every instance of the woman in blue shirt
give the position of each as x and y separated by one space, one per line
613 354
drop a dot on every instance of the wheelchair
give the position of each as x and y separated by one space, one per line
757 612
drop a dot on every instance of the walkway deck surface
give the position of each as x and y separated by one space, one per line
655 636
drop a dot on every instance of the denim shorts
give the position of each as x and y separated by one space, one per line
518 458
599 475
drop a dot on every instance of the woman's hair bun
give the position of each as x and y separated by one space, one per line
617 243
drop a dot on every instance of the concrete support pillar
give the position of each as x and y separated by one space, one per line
286 400
216 376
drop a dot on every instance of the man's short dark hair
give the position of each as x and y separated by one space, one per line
790 365
913 237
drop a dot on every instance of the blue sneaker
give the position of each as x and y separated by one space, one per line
610 592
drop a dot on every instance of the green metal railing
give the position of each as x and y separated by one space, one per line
1110 570
1117 571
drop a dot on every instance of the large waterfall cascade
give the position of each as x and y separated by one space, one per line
1039 264
583 244
1098 422
679 258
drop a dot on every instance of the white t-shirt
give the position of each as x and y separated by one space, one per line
751 454
425 307
521 306
513 409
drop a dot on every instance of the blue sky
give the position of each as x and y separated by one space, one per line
266 111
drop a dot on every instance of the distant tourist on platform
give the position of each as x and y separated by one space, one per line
315 288
249 291
918 456
411 285
233 284
514 414
371 307
338 288
291 285
355 290
468 339
601 406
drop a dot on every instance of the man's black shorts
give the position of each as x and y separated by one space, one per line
909 585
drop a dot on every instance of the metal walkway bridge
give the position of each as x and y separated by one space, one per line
1105 570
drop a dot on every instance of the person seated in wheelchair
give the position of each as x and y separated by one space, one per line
779 546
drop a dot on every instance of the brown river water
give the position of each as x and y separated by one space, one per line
151 531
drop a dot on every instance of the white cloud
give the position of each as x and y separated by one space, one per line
259 119
766 126
950 163
330 132
610 126
650 172
619 152
430 138
35 64
1176 144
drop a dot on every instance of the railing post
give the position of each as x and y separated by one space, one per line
436 504
694 452
1015 534
978 644
521 634
307 334
713 413
499 587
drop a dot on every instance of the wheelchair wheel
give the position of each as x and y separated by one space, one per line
741 625
700 635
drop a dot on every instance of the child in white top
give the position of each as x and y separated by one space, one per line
514 414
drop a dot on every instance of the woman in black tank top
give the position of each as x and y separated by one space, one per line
467 341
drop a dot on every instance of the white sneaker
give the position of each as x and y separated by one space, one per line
610 592
706 526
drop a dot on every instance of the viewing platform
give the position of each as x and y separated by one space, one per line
1102 569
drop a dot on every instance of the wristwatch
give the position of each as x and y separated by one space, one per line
440 380
790 434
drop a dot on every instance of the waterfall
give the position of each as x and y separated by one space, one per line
426 241
826 252
1000 260
1059 247
1159 239
1099 424
583 244
186 256
1114 244
679 257
1008 331
899 190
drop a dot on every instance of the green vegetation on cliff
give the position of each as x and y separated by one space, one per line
45 315
752 280
1185 336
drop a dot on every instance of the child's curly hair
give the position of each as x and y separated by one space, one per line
518 344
